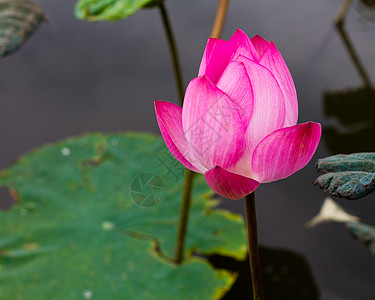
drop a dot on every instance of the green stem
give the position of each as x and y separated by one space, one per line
219 19
184 215
340 21
188 183
252 237
173 50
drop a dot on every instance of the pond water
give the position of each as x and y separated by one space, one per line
73 77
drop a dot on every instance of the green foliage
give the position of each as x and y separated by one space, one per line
76 233
110 10
347 176
19 19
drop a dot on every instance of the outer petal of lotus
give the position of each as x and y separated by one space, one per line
216 56
244 46
169 117
274 62
230 185
268 111
285 151
212 125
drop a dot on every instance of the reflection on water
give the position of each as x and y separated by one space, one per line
368 3
352 108
340 21
367 9
286 275
354 111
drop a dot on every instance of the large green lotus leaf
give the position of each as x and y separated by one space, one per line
19 19
110 10
76 233
347 176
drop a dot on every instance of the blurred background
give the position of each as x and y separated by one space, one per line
73 77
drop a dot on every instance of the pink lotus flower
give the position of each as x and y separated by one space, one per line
238 122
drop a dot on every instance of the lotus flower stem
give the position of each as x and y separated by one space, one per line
219 19
252 237
188 181
343 12
173 50
184 214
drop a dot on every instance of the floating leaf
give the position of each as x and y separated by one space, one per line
110 10
347 176
19 19
331 212
348 185
343 163
77 233
364 233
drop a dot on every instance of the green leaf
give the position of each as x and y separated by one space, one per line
77 233
110 10
364 233
347 176
343 163
19 19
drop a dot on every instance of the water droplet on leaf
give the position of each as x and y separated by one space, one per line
87 294
65 151
107 225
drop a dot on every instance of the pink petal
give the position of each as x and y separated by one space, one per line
274 62
268 111
230 185
260 44
169 117
217 55
244 46
236 84
285 151
212 124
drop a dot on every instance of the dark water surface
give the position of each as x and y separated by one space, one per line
73 77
